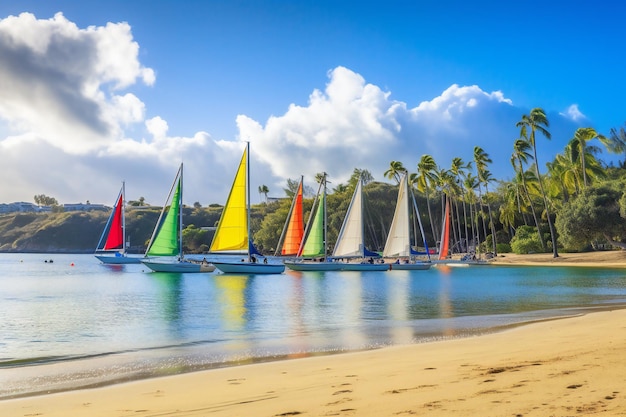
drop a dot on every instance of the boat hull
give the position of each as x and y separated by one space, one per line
418 266
118 260
314 266
249 268
182 267
364 267
460 264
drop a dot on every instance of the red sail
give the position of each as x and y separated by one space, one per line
445 233
115 239
295 228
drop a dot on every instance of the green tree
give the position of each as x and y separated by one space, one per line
44 200
537 121
525 240
264 190
426 179
395 171
582 136
481 159
593 215
138 203
521 155
616 142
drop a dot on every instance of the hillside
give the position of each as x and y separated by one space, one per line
80 231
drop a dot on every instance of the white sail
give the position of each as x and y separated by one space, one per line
350 241
399 239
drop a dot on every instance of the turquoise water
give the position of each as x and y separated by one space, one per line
75 322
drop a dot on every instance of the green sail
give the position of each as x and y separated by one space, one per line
166 242
314 245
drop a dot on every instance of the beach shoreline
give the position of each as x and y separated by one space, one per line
554 366
598 259
571 366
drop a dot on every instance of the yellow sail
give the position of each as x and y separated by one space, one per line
232 230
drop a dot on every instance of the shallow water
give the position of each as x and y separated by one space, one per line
75 322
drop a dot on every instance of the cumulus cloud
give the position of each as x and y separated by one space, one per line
353 124
59 82
68 121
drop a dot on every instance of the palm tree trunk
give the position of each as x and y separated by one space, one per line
545 202
432 221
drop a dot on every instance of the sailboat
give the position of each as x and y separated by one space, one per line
313 246
165 250
293 232
111 248
233 230
398 242
351 240
442 258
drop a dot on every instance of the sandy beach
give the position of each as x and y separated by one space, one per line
608 259
565 367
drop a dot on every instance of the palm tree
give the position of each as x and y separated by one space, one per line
395 171
470 184
520 156
481 159
529 125
582 136
459 170
426 178
263 189
616 143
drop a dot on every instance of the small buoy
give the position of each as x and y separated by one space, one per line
72 264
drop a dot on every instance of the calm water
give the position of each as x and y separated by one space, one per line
75 322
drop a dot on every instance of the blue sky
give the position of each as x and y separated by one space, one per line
93 93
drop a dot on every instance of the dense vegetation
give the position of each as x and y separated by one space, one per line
577 203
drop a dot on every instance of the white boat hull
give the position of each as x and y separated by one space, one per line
417 266
249 268
347 266
314 266
119 260
177 266
460 264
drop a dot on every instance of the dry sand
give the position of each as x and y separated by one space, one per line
609 259
568 367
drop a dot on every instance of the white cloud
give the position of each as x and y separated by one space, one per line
352 124
574 113
58 81
68 125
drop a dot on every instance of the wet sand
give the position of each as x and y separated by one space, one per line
565 367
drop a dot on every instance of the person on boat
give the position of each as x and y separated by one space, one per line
253 259
265 260
370 260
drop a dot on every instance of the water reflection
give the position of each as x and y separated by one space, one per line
398 306
445 306
170 298
231 300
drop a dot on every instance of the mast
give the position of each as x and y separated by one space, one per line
180 215
419 221
124 217
248 196
362 248
325 222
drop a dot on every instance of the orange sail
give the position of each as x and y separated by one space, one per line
445 233
295 226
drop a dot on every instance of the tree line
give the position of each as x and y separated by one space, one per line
574 202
